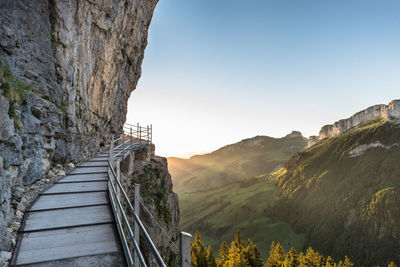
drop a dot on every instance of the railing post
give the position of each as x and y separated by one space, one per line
118 178
148 133
151 133
184 249
137 130
137 211
111 154
140 134
111 161
123 144
131 137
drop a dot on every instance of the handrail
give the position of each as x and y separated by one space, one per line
131 235
122 144
121 233
130 138
140 132
116 140
141 227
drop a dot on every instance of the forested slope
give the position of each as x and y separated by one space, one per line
343 192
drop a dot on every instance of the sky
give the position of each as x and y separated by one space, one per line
218 71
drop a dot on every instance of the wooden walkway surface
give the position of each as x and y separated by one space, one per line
72 224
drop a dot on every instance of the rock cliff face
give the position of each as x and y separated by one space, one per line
67 70
388 112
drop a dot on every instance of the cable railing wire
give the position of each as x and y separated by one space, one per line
152 216
130 232
139 223
131 139
159 226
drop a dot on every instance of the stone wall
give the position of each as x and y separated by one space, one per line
67 70
390 112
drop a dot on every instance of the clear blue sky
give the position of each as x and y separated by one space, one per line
218 71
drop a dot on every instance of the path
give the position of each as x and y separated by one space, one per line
71 224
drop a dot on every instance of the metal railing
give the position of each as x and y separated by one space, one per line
141 133
126 143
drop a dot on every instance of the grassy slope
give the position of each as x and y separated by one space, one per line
217 198
244 205
346 205
247 158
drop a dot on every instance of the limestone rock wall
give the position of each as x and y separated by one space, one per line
389 112
67 70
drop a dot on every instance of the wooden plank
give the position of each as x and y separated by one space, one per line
102 159
77 250
71 222
76 187
94 164
88 170
69 200
83 177
43 220
66 237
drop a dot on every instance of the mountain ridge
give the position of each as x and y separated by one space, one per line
390 112
246 158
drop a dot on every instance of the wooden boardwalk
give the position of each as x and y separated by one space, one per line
71 224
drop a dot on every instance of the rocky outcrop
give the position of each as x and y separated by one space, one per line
67 70
160 207
390 112
361 149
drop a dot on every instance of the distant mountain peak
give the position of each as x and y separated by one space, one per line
294 134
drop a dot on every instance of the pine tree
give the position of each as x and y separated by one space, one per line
346 263
236 253
210 260
291 259
311 259
198 254
223 253
329 262
303 261
236 256
276 255
238 238
253 255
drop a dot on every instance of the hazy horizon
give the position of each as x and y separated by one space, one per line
215 73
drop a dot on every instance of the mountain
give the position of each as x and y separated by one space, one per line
246 205
216 195
247 158
344 192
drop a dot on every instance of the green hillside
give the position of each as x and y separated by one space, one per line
346 201
247 158
216 196
217 213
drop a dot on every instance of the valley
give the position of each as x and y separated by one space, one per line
230 185
332 192
246 205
